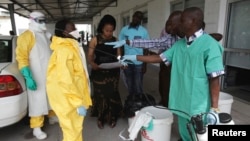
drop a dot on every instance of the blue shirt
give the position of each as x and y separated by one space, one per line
129 33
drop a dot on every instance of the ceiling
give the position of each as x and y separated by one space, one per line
75 10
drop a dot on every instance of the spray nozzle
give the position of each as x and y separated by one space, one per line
198 122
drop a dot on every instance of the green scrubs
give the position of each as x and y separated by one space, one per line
191 66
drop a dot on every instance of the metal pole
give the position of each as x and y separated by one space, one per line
13 24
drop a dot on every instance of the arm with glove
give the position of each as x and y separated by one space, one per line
118 44
25 43
160 43
30 82
213 115
142 58
122 40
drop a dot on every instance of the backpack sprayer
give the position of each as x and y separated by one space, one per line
197 123
201 130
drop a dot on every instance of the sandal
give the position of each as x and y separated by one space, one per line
100 124
112 124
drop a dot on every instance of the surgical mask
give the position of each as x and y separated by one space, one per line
75 34
42 26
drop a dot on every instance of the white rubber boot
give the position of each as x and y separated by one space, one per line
53 120
39 134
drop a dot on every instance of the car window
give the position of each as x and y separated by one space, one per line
5 51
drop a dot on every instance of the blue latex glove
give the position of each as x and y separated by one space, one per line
116 44
123 63
129 58
119 58
213 117
82 111
30 82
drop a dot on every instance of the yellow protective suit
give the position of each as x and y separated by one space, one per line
67 86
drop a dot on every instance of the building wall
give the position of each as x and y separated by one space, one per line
215 16
158 12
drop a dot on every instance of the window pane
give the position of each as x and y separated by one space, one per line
176 6
195 3
5 51
182 4
239 35
239 25
125 20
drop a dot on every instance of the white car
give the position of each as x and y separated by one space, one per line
13 94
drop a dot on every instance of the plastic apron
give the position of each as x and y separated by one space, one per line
83 57
38 59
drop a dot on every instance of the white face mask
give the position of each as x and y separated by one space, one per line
75 34
42 26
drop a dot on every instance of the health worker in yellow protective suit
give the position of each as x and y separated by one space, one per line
67 81
32 54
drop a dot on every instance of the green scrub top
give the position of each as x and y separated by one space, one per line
191 66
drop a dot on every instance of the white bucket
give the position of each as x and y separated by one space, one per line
162 124
130 120
225 102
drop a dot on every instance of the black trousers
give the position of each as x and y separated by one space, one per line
164 83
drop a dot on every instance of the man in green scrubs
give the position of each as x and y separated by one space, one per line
196 67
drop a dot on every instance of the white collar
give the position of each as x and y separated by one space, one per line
197 34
